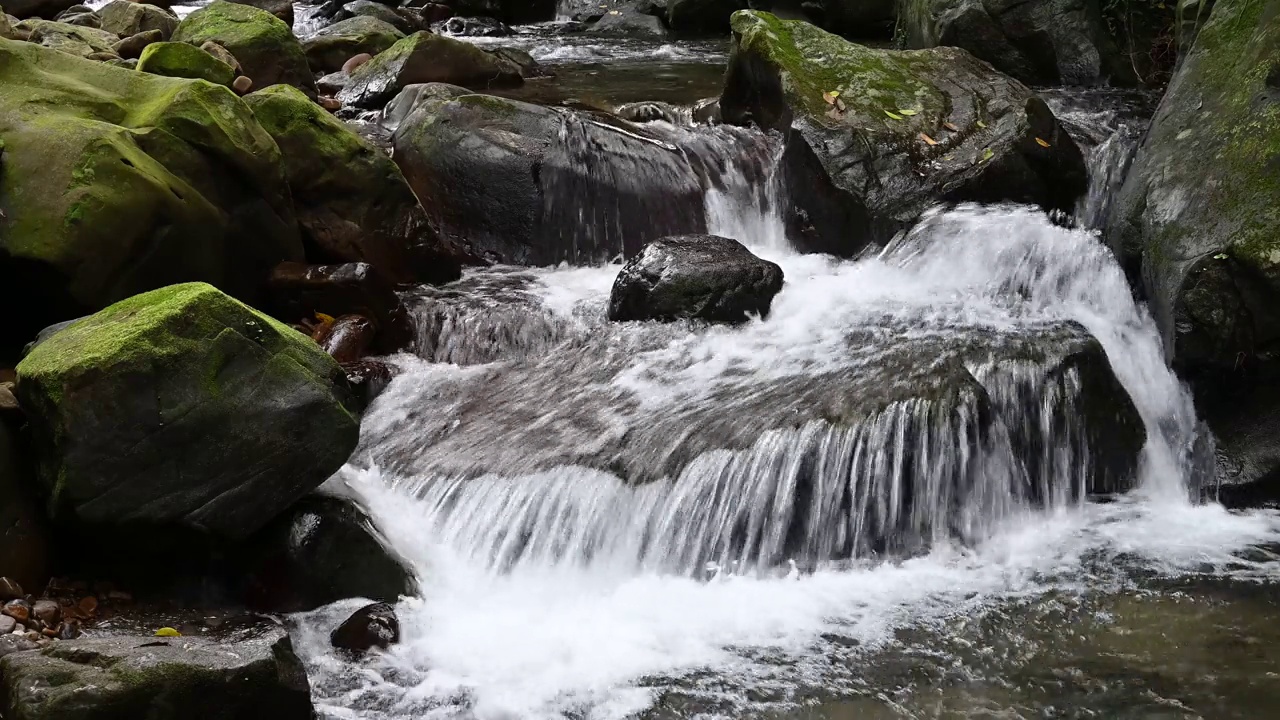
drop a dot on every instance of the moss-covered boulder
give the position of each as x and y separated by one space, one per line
71 39
891 131
185 678
227 415
1041 42
181 60
125 18
114 182
424 57
265 46
352 202
332 46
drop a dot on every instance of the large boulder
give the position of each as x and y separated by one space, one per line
694 276
282 9
334 45
157 678
144 182
74 40
1041 42
183 60
265 46
526 184
228 416
125 18
894 131
1198 214
405 20
424 57
352 202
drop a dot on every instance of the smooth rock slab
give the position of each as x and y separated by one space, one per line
694 276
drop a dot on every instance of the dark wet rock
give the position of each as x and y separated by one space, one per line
264 45
630 24
349 338
48 612
865 160
183 60
701 277
1040 42
432 12
333 83
701 17
229 416
406 21
132 46
1196 220
412 97
373 626
300 291
48 9
529 68
24 537
352 202
426 58
19 610
321 550
649 111
473 27
367 378
282 9
126 18
83 42
161 679
330 48
531 185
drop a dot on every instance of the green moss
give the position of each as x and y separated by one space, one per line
182 60
263 44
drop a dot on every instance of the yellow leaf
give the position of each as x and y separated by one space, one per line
835 93
168 632
895 116
950 127
981 124
1042 143
908 112
928 140
326 319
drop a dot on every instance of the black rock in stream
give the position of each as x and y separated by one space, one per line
703 277
372 626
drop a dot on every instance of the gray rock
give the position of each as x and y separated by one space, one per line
425 58
125 18
332 46
415 96
473 27
630 24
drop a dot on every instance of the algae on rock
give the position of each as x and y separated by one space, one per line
264 45
182 60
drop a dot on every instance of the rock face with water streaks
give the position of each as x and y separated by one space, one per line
229 416
427 58
157 678
531 185
352 202
263 44
702 277
1199 211
148 181
908 128
1041 42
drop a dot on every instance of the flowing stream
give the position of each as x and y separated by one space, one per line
875 502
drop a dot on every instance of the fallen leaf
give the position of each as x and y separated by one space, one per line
908 112
895 116
829 98
928 140
987 154
950 127
1042 142
168 632
1220 256
981 124
835 93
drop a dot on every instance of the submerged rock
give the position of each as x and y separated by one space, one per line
352 202
1198 214
160 679
265 46
1040 42
694 276
372 626
151 181
426 58
902 130
229 416
330 48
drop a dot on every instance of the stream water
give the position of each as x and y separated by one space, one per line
873 503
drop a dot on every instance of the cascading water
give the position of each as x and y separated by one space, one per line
606 515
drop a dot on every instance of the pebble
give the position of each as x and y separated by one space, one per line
7 624
242 84
70 630
356 61
9 589
329 103
48 611
19 610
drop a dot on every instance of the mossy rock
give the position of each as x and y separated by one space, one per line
116 182
1200 207
265 46
892 131
186 678
228 415
6 27
126 18
425 57
352 201
332 46
181 60
71 39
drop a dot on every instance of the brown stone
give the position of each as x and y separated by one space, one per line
10 590
329 103
88 605
132 46
355 61
48 612
350 338
242 84
8 403
49 633
221 53
19 610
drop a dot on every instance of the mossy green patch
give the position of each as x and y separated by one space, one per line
183 60
263 44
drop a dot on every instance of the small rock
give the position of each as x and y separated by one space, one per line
19 610
329 103
349 338
48 611
33 636
356 61
8 403
9 588
19 629
371 626
7 624
242 84
132 46
49 632
221 53
70 630
44 642
88 605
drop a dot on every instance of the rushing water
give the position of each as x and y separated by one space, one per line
871 503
